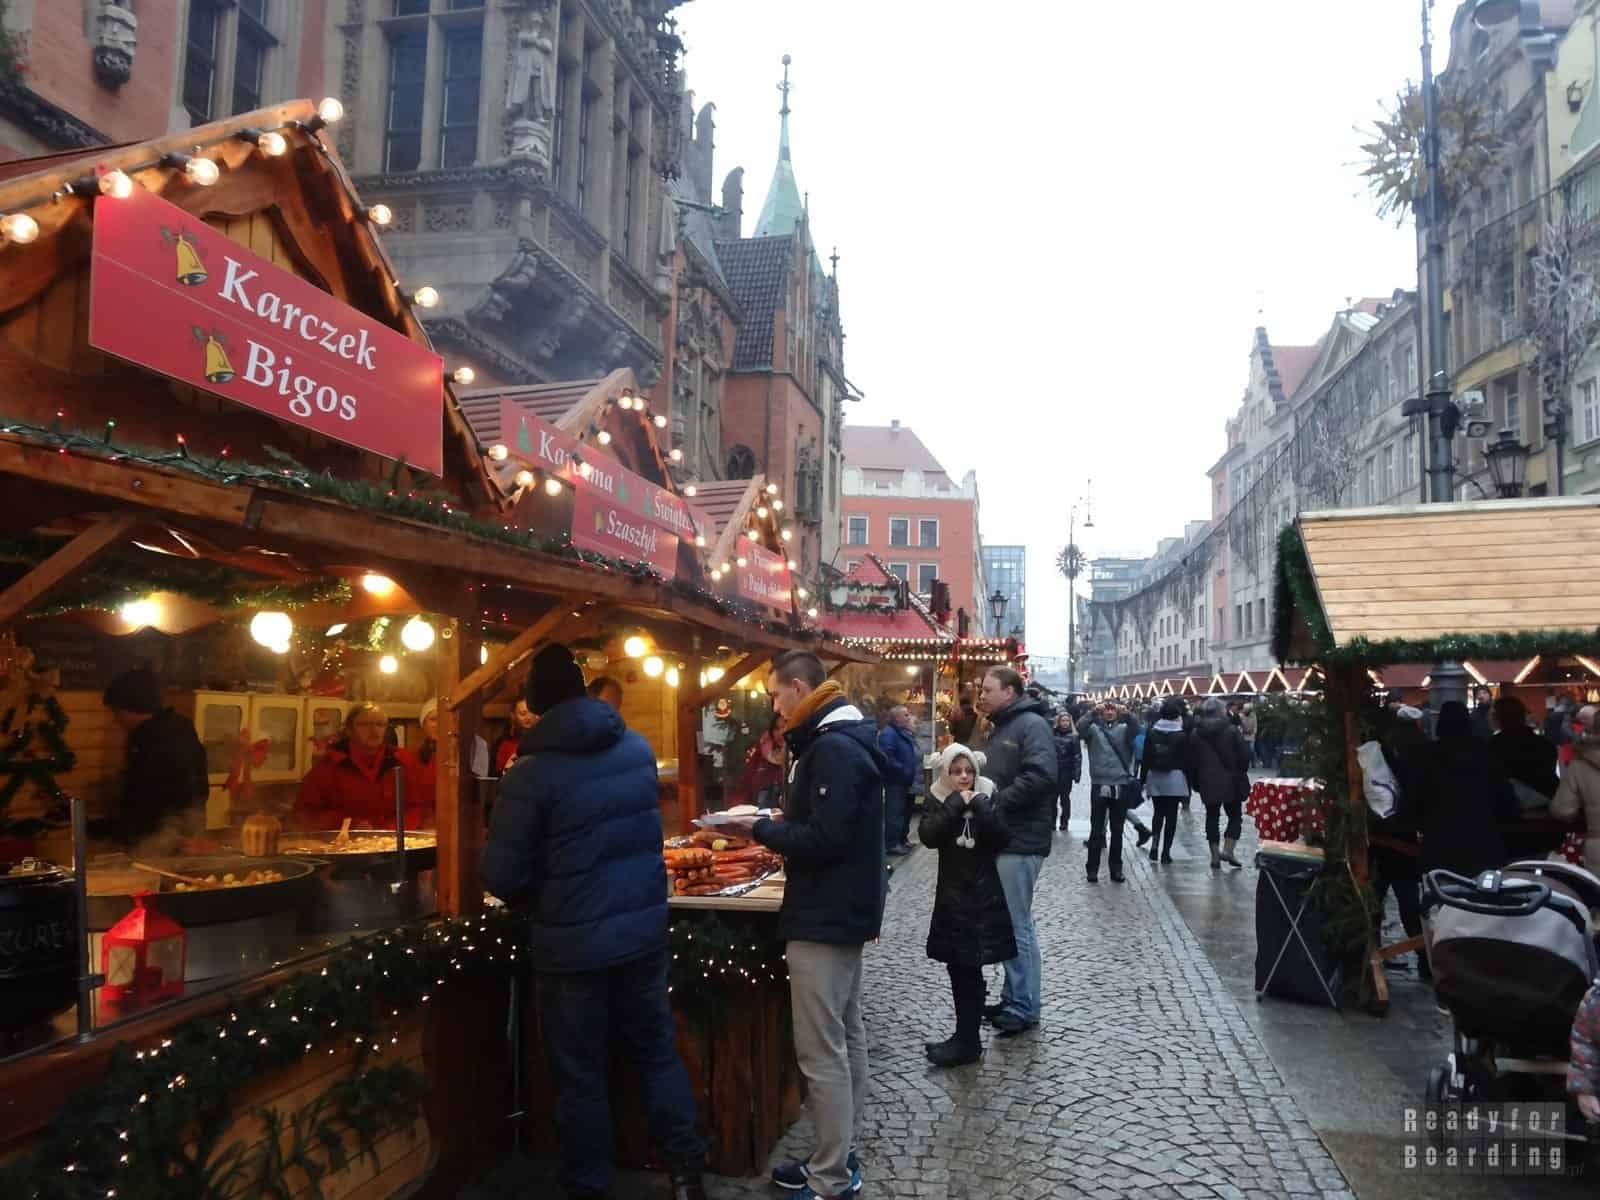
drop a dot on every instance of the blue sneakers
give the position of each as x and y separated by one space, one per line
796 1177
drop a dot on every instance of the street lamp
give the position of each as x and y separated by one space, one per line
1070 562
997 606
1508 464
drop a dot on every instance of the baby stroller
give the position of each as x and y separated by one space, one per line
1513 952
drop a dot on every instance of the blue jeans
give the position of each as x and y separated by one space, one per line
1019 873
579 1014
896 815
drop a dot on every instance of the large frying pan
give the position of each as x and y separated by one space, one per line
213 906
418 857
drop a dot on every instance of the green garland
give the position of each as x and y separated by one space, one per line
20 762
713 950
148 1129
394 497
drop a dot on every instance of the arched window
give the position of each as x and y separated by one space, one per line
741 462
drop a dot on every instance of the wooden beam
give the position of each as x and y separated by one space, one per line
689 747
458 808
509 655
729 681
66 564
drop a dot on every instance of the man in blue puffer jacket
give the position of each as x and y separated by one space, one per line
576 841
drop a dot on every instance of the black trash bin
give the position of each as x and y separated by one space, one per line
1292 961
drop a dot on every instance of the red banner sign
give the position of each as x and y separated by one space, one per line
537 442
765 576
170 293
600 524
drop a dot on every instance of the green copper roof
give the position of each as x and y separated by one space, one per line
781 213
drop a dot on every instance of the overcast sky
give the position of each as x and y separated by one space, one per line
1057 223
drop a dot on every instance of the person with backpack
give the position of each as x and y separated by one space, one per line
1218 763
1161 771
1108 734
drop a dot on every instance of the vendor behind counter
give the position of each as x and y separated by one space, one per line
356 779
164 783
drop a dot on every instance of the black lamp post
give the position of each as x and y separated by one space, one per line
997 606
1508 464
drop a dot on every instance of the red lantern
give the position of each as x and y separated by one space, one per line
142 957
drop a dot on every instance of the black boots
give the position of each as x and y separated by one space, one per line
687 1185
953 1053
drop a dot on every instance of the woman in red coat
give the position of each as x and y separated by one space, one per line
422 769
355 778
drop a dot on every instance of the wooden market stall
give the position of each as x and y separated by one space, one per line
1360 594
229 452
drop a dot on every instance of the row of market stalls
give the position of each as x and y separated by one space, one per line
228 453
1276 681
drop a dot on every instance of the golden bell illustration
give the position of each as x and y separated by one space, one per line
191 271
218 368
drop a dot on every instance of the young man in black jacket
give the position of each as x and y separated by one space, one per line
1022 764
831 839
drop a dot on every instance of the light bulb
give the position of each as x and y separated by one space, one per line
690 490
793 566
279 647
762 512
552 486
201 171
271 628
499 452
140 613
377 585
716 574
336 629
19 228
675 454
911 670
661 420
388 664
626 403
380 214
416 634
635 646
812 613
116 184
788 535
463 375
801 592
653 667
584 469
672 677
483 655
742 561
777 506
425 296
330 110
524 478
603 437
272 143
713 674
700 539
772 489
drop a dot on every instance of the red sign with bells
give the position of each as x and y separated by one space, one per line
170 293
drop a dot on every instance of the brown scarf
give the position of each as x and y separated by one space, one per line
825 693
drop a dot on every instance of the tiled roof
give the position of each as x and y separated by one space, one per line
1293 363
716 503
870 570
888 448
552 401
757 270
889 624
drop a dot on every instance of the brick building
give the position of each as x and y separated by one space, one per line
902 505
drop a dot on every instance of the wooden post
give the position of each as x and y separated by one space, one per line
66 564
460 814
509 655
689 782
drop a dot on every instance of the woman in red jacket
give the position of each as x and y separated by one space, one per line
422 769
356 779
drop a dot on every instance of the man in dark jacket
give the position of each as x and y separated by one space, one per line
576 840
1108 734
1022 764
831 839
899 749
1069 764
164 781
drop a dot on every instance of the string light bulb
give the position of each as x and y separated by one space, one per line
499 452
762 512
603 437
700 540
672 677
331 110
201 171
787 535
378 214
463 375
116 184
690 490
675 454
793 566
271 628
812 612
388 664
140 613
552 486
524 478
19 228
653 667
483 655
416 635
377 585
626 403
635 646
777 506
660 420
272 143
801 592
425 296
772 489
742 561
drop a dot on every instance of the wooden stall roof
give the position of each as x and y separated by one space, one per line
1469 569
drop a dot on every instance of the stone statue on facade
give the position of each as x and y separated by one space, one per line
531 93
116 36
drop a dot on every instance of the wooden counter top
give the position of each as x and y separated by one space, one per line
766 898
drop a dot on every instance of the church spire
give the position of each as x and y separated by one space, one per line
783 208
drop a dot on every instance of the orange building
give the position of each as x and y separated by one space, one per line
902 505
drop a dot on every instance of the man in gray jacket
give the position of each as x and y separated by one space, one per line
1022 764
1108 734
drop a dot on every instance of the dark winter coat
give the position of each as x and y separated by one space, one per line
900 752
1165 758
831 837
1462 797
576 840
1218 761
1526 757
1109 746
164 780
971 925
1022 765
1069 758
